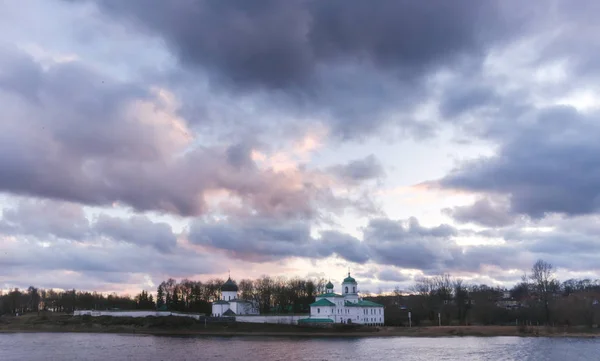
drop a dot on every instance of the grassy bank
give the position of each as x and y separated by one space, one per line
188 326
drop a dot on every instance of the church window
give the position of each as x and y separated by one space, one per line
346 289
318 310
353 289
380 311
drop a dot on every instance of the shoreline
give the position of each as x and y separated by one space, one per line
429 332
180 326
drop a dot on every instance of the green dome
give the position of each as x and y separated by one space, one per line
329 285
349 279
229 286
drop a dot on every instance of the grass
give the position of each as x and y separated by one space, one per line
173 325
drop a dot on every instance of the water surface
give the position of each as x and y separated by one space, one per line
63 346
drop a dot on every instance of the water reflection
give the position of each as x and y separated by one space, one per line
53 346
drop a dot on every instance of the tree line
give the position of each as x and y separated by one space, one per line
17 301
271 295
539 298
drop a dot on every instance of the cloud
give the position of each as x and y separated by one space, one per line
359 170
52 244
53 221
361 69
407 244
542 166
224 110
404 244
138 230
484 212
282 45
265 239
99 262
76 135
45 219
392 275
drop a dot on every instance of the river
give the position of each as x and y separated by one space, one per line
76 346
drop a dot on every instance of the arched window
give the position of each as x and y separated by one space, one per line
318 310
230 298
346 289
353 289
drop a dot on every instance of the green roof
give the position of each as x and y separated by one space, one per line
362 303
322 302
349 279
329 294
329 285
315 320
220 302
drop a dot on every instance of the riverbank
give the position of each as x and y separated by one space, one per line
190 327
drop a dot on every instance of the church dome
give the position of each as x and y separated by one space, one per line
229 286
329 285
349 279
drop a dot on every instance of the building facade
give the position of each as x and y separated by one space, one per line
230 305
347 307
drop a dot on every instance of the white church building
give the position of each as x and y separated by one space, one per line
230 304
347 307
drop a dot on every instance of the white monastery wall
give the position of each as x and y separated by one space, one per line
133 313
219 309
280 319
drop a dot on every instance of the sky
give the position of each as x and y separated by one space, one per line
146 139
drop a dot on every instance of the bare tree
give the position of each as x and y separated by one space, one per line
544 284
461 296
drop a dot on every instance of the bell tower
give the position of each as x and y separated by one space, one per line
350 289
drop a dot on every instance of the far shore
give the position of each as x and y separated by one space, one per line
35 324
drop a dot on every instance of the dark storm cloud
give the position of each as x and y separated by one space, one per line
485 212
279 44
357 66
547 163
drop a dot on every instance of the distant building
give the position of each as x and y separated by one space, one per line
347 307
508 302
230 304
